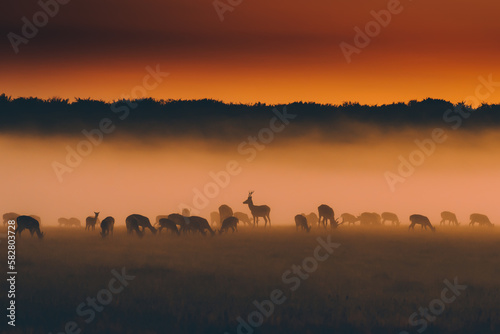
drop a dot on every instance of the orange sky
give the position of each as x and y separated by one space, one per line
262 51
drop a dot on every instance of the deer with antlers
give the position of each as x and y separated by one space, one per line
258 210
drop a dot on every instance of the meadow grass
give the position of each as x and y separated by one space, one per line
372 283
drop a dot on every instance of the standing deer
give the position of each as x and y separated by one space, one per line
421 220
141 222
168 224
450 217
107 226
9 216
326 214
301 222
482 220
91 221
391 217
258 211
29 223
224 212
229 223
214 218
243 217
348 218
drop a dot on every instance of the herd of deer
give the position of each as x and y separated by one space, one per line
227 220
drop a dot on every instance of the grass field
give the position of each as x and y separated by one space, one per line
371 283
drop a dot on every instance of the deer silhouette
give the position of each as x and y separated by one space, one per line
142 222
369 218
68 222
312 219
229 223
420 220
224 212
214 218
391 217
450 217
326 214
199 224
480 219
243 217
301 222
29 223
91 221
258 211
107 226
180 220
9 216
169 225
132 225
348 218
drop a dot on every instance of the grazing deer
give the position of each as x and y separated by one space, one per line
214 218
391 217
91 221
482 220
258 211
75 222
229 223
199 224
29 223
450 217
421 220
132 225
63 222
142 222
180 220
224 212
9 216
369 218
157 220
326 214
348 218
107 225
312 219
301 221
168 224
243 217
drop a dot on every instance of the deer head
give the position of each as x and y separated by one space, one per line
249 199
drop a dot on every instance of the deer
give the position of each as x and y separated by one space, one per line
168 224
9 216
326 214
369 218
229 223
91 221
258 211
312 218
107 225
348 218
482 220
180 220
450 217
199 224
142 222
391 217
421 220
132 225
74 222
301 222
29 223
63 222
214 218
224 212
243 217
157 220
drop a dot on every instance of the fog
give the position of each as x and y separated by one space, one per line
124 175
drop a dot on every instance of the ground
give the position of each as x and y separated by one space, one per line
372 283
